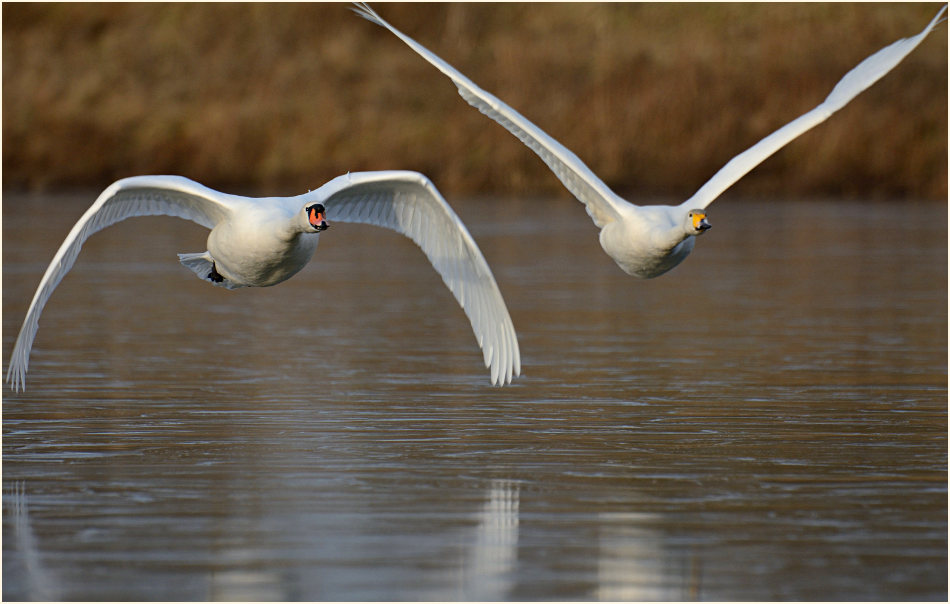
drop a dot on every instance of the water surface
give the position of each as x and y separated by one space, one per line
767 421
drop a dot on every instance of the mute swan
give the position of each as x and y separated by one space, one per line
647 241
261 242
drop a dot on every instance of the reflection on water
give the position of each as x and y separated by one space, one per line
38 582
488 571
632 564
767 421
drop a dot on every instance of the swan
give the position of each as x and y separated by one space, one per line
647 241
259 242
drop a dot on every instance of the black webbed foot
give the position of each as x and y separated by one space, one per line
214 275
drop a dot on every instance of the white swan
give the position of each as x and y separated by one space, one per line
261 242
647 241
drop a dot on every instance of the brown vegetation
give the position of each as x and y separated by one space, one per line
281 97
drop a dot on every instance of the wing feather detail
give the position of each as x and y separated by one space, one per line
408 203
600 201
856 81
127 198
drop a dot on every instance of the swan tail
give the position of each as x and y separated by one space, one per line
203 265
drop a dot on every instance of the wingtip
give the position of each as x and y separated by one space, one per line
363 10
940 18
16 373
504 376
16 381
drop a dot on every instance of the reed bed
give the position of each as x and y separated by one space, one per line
278 98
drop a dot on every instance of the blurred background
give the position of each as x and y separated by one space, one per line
278 98
768 422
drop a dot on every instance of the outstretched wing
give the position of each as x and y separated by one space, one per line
136 196
601 202
854 82
408 203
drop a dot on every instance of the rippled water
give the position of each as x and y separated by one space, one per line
767 421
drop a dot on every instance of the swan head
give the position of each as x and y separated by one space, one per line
696 223
316 218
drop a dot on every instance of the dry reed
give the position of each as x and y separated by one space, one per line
281 97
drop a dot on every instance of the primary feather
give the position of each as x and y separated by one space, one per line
646 241
250 233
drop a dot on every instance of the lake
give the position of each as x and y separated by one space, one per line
768 421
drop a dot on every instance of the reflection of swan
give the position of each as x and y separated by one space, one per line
38 582
262 242
634 564
487 572
647 241
235 579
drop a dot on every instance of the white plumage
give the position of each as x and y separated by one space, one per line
647 241
258 242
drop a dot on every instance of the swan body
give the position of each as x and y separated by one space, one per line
261 246
260 242
647 241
